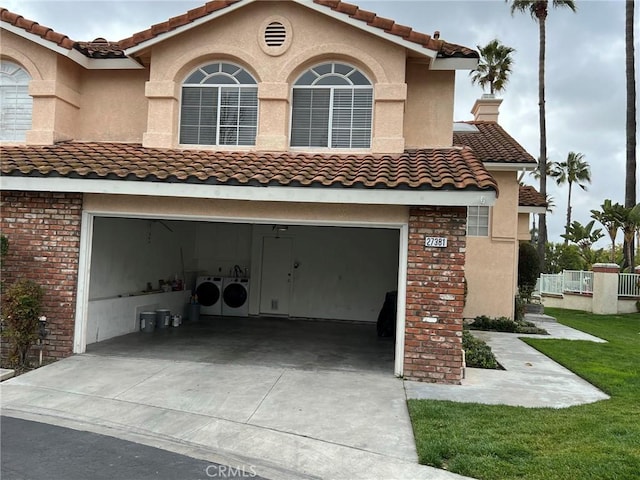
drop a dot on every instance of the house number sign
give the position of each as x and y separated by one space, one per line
437 242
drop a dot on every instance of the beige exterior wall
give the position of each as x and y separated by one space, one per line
524 227
71 102
492 262
247 211
429 109
114 106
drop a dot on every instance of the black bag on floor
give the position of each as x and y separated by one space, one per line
387 317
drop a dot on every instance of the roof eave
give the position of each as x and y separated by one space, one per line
177 31
342 17
362 196
531 209
509 166
72 54
454 63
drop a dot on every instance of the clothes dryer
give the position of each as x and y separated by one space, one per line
209 293
235 297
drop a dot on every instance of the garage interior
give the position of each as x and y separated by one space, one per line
312 293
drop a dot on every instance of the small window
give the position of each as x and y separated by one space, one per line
219 106
16 104
332 108
478 221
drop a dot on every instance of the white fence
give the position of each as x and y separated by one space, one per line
576 281
572 281
629 285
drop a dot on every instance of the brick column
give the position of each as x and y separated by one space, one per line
435 295
43 229
605 288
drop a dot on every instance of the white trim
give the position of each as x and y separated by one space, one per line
367 196
401 312
323 9
177 31
530 209
378 32
455 63
74 55
509 167
84 277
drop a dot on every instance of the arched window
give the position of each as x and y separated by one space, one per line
219 106
332 108
15 103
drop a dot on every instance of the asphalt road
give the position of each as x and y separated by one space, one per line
38 451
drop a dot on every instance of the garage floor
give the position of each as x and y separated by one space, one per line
267 341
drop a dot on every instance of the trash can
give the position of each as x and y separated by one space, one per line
163 318
147 321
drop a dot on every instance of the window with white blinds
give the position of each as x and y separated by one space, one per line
332 108
219 106
478 221
16 104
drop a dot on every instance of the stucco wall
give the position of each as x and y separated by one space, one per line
114 107
492 262
255 212
429 109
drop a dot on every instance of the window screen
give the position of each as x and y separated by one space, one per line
332 107
219 106
15 103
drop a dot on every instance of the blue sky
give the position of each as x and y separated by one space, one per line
585 92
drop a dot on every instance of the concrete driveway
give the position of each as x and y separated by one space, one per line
285 421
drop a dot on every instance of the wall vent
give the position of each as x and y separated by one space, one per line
275 34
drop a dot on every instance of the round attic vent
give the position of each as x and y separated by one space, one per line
275 34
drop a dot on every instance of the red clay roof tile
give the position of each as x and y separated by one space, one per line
528 196
447 168
115 49
492 144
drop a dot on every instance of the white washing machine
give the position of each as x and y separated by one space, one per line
209 292
235 297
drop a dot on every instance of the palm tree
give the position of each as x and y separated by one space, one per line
494 67
630 177
611 216
630 225
539 9
573 170
584 236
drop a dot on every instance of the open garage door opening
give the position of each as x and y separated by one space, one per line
287 294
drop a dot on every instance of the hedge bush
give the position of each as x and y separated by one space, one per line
477 353
504 324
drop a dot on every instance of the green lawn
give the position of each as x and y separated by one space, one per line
597 441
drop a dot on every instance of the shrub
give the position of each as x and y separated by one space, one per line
528 265
21 308
504 324
477 353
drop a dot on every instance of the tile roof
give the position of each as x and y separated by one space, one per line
492 144
528 196
100 48
433 169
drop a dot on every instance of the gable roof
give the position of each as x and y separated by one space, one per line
493 145
431 169
102 49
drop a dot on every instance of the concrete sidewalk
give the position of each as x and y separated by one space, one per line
530 379
287 423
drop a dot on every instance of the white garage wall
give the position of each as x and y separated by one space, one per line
221 246
343 273
128 253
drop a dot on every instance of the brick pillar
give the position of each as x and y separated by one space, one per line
435 295
605 288
43 229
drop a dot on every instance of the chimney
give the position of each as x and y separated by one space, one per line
486 109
